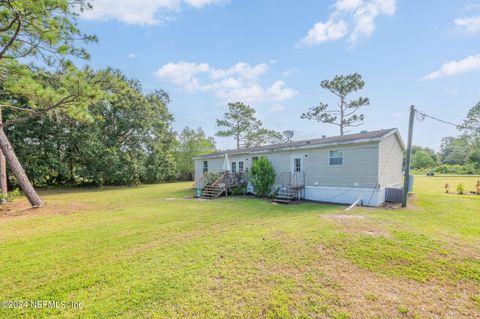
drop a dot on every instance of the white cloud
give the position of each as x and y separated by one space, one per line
279 92
469 64
290 71
271 111
469 24
183 74
238 82
355 18
141 12
322 32
345 5
244 70
132 55
203 3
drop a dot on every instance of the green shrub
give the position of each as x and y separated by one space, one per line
238 190
460 188
262 176
212 177
467 169
11 196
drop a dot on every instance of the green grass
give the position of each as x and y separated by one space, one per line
152 252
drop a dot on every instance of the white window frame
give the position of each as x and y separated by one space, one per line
299 161
336 157
234 167
241 170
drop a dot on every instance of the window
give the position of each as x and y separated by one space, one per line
297 165
240 167
234 167
205 167
336 157
255 158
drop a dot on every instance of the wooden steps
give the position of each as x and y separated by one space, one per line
285 197
212 192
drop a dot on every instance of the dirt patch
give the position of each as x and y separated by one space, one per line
330 286
344 217
357 224
362 293
21 208
371 294
372 233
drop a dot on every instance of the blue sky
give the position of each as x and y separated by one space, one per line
272 54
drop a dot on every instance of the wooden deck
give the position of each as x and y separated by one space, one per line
222 186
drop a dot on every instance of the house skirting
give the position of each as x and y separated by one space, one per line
342 195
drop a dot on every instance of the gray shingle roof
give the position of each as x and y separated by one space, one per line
340 139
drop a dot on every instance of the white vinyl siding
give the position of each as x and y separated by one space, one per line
214 165
280 162
390 161
358 170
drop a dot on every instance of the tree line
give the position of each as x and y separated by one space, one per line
67 125
458 154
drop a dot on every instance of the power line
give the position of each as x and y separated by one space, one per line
422 115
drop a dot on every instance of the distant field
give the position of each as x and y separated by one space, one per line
154 252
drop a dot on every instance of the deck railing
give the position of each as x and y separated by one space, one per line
227 179
293 182
298 179
235 179
292 179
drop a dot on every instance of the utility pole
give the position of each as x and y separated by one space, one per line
408 157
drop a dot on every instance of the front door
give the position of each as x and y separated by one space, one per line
296 164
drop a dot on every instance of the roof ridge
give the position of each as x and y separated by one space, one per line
331 139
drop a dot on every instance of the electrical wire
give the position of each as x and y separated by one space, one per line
422 115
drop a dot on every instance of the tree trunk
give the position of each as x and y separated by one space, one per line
3 179
18 171
342 112
3 173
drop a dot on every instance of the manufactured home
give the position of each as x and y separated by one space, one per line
338 169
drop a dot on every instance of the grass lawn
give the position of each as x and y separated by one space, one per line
152 252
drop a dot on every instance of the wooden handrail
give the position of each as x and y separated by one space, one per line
219 179
201 178
295 179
